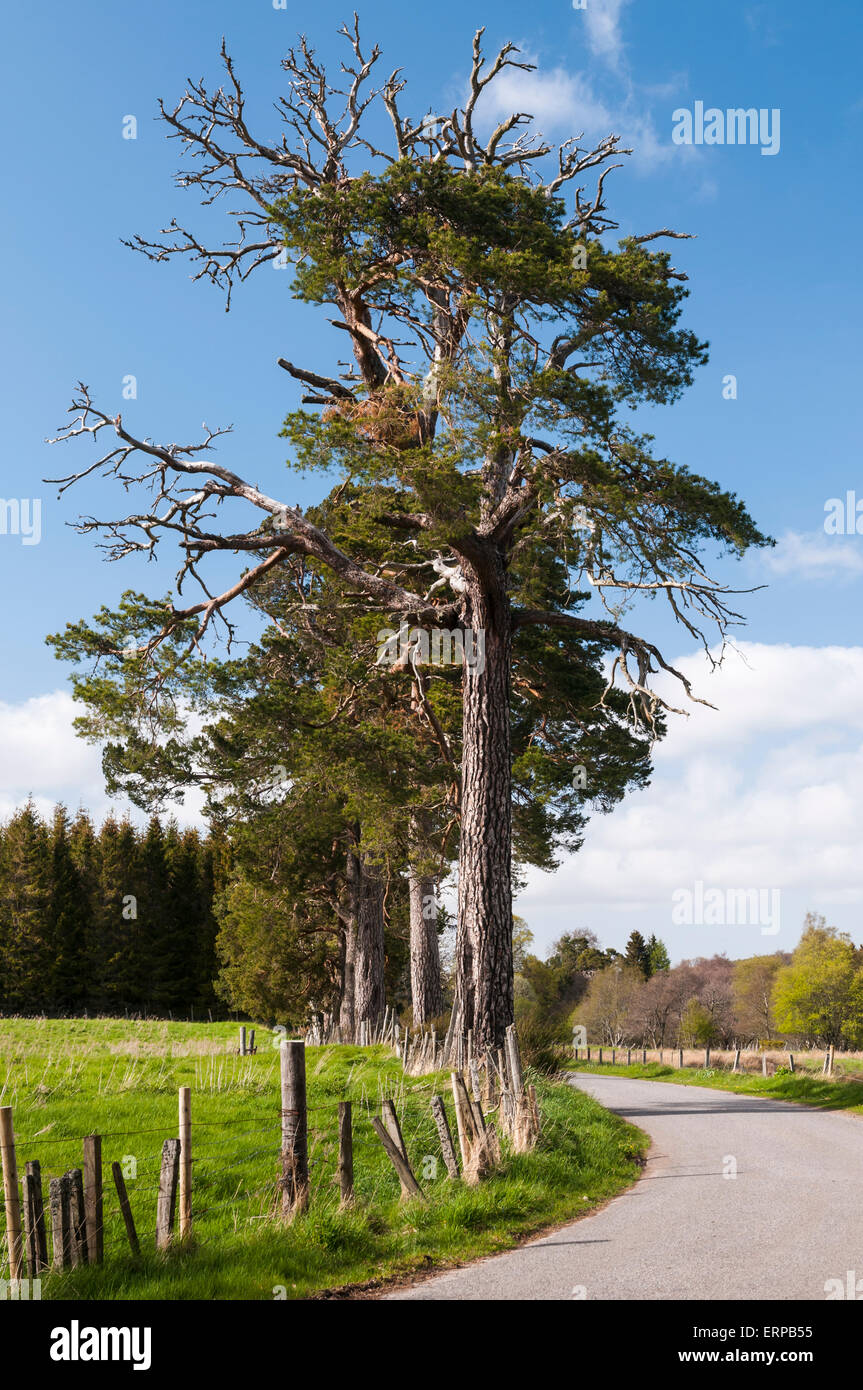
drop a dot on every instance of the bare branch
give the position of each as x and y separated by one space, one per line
644 700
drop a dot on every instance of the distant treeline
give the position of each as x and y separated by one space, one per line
811 997
110 920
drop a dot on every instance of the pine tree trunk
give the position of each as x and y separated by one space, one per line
370 953
347 1002
484 976
426 992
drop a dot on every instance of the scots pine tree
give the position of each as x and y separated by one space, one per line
497 338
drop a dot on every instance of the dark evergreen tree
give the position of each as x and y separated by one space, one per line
637 954
25 893
658 956
109 923
68 922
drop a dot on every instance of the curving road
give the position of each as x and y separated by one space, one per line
791 1218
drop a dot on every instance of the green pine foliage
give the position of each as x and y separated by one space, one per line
117 920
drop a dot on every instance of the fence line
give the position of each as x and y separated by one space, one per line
717 1057
68 1230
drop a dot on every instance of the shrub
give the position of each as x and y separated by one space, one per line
540 1043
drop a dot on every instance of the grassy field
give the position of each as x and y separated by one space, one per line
843 1093
68 1078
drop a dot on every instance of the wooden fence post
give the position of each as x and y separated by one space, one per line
706 1057
764 1064
125 1208
680 1058
490 1090
409 1185
10 1194
34 1218
644 1056
78 1217
185 1118
613 1056
166 1205
346 1153
443 1129
534 1109
473 1139
600 1056
629 1056
93 1197
251 1041
394 1129
61 1235
514 1060
791 1062
474 1080
478 1117
736 1059
295 1143
242 1042
460 1123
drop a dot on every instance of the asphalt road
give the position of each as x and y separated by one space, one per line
791 1218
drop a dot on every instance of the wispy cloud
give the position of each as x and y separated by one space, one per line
565 103
602 23
764 22
815 555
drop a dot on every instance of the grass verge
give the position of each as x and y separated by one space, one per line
839 1094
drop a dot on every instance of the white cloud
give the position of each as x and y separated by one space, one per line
764 792
815 555
565 103
559 101
764 23
765 690
44 758
602 22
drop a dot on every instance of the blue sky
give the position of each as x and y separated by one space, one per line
766 792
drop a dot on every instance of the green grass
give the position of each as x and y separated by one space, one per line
839 1094
67 1078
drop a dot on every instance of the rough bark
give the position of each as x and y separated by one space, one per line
347 1003
484 982
426 992
363 994
370 955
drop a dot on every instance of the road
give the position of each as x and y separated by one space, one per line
791 1218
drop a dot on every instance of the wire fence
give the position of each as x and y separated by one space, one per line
766 1061
235 1173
